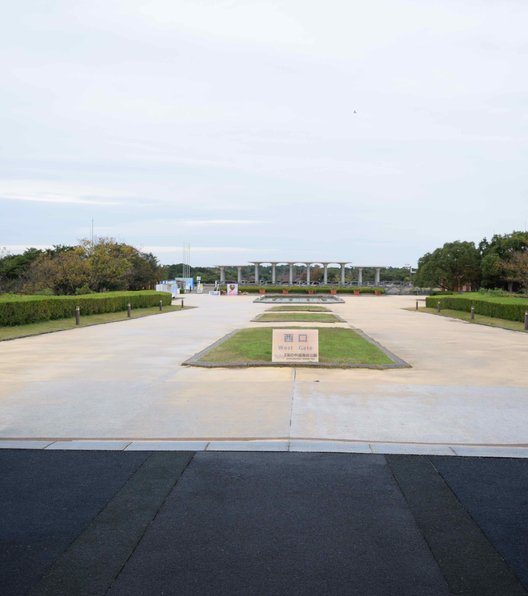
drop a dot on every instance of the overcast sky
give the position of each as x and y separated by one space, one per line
295 129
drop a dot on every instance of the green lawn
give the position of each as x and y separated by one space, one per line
336 346
479 319
298 307
297 318
18 331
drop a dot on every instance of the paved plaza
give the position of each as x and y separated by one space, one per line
123 383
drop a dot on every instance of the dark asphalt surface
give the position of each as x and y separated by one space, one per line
140 523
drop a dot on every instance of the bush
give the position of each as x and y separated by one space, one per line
511 309
306 289
83 290
45 292
20 310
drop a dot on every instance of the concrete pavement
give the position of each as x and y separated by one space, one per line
468 384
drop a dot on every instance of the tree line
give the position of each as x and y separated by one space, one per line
499 263
99 266
107 265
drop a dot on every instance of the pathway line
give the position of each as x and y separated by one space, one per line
470 564
97 556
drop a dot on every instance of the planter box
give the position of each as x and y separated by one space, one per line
284 291
333 292
377 293
262 291
357 292
311 292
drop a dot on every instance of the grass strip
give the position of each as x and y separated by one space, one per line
18 331
336 346
298 307
297 318
511 308
479 319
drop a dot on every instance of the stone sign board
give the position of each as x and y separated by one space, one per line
295 345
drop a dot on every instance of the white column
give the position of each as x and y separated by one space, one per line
222 275
360 276
308 273
342 274
377 277
239 275
291 273
325 273
256 273
273 273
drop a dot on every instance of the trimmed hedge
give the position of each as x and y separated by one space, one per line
20 310
511 309
306 289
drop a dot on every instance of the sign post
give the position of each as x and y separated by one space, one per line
295 345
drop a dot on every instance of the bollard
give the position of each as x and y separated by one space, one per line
472 313
161 304
77 315
438 306
129 310
182 303
526 321
417 305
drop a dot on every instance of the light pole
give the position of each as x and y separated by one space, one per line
411 272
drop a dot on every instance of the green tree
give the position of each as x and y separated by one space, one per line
146 271
14 269
110 264
62 272
495 256
455 265
515 269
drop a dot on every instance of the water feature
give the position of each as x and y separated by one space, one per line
300 299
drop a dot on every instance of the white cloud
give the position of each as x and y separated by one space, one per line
52 198
207 249
56 190
221 222
232 122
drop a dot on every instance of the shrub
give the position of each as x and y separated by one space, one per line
511 309
20 310
494 292
306 289
83 290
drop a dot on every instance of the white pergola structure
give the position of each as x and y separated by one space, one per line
222 269
307 264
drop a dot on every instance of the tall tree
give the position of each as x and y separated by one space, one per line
455 265
495 256
62 272
14 269
515 269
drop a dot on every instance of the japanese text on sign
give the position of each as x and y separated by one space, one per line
295 345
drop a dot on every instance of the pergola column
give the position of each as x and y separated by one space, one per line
360 276
325 273
291 273
222 274
342 273
273 273
377 276
257 273
308 273
239 274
